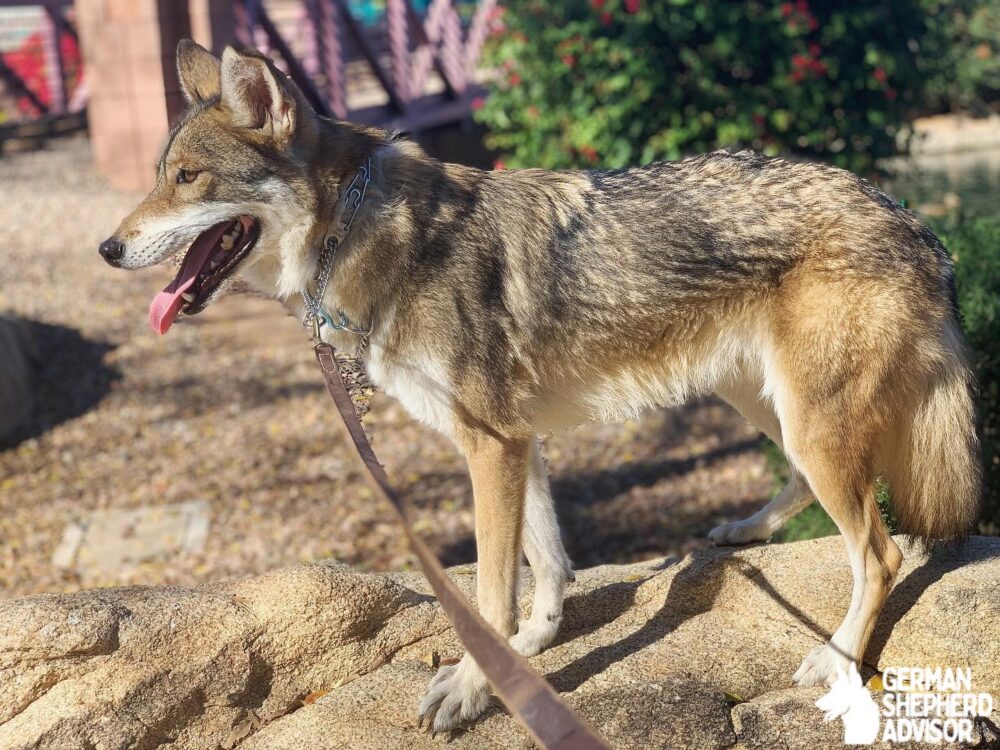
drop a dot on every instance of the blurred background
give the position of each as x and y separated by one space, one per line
213 453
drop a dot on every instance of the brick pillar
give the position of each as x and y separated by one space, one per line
129 48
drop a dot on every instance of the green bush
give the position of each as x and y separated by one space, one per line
961 55
974 245
616 82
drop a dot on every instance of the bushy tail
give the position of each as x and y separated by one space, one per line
936 486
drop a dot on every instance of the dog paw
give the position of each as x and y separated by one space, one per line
739 532
534 635
820 667
456 695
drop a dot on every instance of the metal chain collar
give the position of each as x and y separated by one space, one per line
316 314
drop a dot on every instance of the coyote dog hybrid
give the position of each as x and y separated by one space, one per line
503 304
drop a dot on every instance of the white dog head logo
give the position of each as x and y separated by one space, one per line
853 703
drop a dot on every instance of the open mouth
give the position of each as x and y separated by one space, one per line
212 257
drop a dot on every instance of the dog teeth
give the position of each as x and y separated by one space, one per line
214 264
227 242
187 297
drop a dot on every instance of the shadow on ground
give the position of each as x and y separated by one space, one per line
69 377
594 508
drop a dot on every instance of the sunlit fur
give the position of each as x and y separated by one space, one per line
507 303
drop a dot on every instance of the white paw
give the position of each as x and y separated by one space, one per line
739 532
534 635
456 695
820 667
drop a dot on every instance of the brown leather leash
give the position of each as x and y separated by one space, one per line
534 703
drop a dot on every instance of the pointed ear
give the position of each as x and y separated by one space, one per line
258 95
199 72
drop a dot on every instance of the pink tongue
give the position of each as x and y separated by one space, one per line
165 305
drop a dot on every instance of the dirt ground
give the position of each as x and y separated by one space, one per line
229 410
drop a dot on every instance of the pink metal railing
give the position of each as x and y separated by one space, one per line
332 56
41 72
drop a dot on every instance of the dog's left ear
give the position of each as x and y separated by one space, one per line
260 97
198 71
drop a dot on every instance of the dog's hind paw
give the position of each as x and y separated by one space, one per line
820 667
739 532
456 695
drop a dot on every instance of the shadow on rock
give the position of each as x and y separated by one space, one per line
942 560
692 592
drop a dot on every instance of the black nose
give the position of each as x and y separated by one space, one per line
112 250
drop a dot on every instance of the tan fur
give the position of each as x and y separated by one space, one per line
499 470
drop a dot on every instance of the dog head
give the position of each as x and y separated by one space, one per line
233 185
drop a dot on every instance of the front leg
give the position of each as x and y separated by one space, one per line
499 469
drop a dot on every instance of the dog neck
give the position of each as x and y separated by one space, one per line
386 250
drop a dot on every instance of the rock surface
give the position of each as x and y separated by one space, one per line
674 654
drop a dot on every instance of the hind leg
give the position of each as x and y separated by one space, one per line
837 363
743 394
842 479
792 500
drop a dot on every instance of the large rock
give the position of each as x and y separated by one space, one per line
674 654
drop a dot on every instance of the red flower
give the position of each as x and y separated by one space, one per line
28 61
631 6
814 49
802 6
879 75
569 60
498 164
796 76
589 153
787 9
478 103
812 23
597 4
799 62
606 18
514 79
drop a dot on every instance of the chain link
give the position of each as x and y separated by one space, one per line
316 315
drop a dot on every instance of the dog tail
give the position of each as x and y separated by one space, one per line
936 481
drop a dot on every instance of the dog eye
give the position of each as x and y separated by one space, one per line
185 176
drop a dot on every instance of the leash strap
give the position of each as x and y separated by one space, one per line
538 707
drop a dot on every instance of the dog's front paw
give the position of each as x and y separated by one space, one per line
457 694
534 635
739 532
820 667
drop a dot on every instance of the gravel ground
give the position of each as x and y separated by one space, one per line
228 409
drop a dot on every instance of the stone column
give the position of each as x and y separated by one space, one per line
128 48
